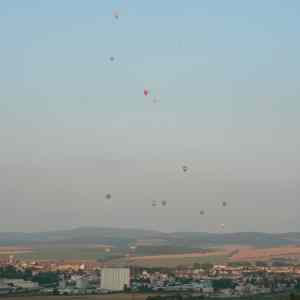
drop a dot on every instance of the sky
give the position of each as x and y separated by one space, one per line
76 126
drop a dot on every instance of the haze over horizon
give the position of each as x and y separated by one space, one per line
76 126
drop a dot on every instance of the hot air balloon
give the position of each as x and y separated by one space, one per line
112 58
146 92
155 100
202 212
164 203
224 203
116 15
185 168
108 196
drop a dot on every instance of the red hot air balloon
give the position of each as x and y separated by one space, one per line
146 92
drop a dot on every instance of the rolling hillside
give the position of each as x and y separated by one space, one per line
123 237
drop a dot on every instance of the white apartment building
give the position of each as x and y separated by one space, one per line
115 279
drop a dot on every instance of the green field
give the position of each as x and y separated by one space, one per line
171 262
65 253
116 257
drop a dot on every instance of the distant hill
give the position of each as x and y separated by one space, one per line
242 238
86 235
124 237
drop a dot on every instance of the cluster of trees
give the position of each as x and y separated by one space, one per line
165 249
42 278
190 297
46 278
205 266
294 297
138 270
223 283
236 264
11 272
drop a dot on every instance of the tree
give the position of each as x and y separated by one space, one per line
223 283
196 265
240 264
207 267
10 272
46 278
27 274
262 264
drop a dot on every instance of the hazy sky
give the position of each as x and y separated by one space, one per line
75 126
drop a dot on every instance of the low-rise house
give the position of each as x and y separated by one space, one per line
21 283
5 289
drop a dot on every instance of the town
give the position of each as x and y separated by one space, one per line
19 277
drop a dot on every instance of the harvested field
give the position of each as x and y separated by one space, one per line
174 260
179 256
6 251
251 253
14 248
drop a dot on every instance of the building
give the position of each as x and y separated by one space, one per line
115 279
81 283
20 283
4 289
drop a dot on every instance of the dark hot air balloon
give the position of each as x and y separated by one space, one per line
116 15
146 92
185 168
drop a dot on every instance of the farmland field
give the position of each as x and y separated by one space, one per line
170 261
251 253
58 253
115 258
174 258
96 252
